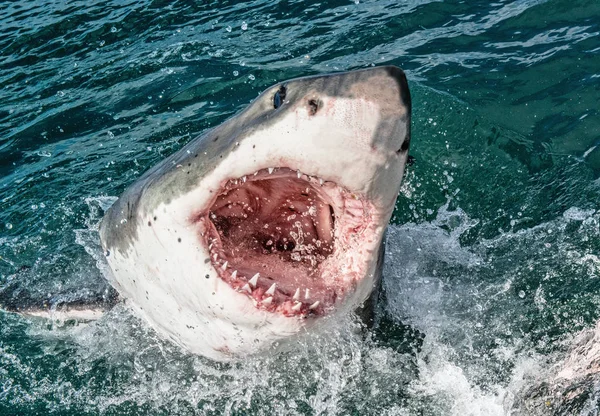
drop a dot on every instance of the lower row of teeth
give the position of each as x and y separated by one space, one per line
270 292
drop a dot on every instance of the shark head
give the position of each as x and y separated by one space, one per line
270 221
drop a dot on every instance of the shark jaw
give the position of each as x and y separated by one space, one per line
269 222
290 242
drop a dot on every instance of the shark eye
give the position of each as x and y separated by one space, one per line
279 97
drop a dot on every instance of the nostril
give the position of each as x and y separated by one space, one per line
404 146
313 107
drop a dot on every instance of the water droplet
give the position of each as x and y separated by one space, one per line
244 26
228 28
111 134
521 294
235 73
251 77
34 207
60 94
113 29
9 226
102 42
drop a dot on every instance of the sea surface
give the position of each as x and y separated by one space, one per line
492 266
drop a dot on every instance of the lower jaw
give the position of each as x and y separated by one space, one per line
318 288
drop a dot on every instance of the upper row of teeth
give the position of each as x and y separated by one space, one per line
298 173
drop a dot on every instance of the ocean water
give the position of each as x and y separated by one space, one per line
492 265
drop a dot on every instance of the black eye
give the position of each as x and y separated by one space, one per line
279 97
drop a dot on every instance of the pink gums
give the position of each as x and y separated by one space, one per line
300 234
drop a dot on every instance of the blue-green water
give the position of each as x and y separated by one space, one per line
492 263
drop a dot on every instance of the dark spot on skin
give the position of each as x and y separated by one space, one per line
216 138
107 253
179 240
196 155
313 107
207 276
189 164
188 172
206 261
154 218
254 146
279 97
149 223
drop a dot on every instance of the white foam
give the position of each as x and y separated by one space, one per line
473 359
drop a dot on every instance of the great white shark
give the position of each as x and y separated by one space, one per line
260 227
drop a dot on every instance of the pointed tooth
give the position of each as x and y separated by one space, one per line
246 288
234 274
255 173
271 290
321 182
271 170
297 306
297 294
268 300
299 174
215 256
244 179
254 280
307 294
314 305
224 266
210 246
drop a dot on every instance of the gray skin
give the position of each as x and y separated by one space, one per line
199 157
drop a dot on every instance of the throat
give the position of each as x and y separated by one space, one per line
280 227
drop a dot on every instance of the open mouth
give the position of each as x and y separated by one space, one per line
292 243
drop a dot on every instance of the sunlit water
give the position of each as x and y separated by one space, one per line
492 263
